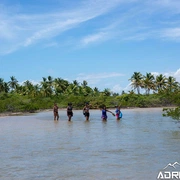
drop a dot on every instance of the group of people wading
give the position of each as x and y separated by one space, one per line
86 113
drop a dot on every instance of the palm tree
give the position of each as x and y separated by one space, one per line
136 81
130 92
60 85
72 89
84 84
50 81
13 83
50 84
6 87
28 87
172 84
46 87
36 90
21 89
1 84
75 87
123 92
75 83
148 82
85 89
46 90
96 90
44 79
160 82
106 92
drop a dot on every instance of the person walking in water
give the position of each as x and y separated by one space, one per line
104 113
55 111
86 111
69 111
118 113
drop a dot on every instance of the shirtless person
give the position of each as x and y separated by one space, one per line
86 111
55 111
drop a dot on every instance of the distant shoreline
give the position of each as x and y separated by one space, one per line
4 114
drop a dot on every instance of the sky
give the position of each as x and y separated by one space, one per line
100 41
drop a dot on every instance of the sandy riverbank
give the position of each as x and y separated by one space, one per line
21 113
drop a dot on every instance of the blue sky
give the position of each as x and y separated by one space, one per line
101 41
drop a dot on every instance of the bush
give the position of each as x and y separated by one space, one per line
172 112
30 108
15 102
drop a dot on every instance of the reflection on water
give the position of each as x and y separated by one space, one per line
136 147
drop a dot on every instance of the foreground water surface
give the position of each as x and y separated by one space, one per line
35 147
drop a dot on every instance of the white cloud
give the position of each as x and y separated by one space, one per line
171 33
127 88
24 29
117 88
109 80
34 82
175 74
94 38
155 73
139 21
93 79
52 44
170 4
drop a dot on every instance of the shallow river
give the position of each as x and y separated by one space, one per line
35 147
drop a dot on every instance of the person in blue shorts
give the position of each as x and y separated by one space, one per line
104 113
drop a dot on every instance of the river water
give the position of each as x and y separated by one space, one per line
35 147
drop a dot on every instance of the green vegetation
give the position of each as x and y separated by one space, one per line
173 112
158 91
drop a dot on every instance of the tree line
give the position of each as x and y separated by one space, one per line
158 84
49 87
157 91
57 86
